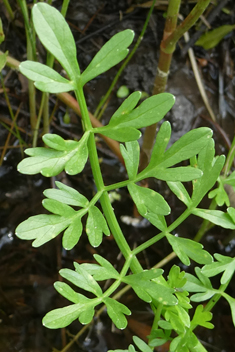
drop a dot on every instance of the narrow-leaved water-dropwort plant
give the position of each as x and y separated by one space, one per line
170 297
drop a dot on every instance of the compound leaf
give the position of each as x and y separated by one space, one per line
116 311
50 162
96 225
224 264
66 195
185 249
201 284
114 51
45 78
138 281
55 35
202 318
211 168
81 278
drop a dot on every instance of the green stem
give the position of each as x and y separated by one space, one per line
35 134
31 55
170 39
99 111
21 142
230 158
158 237
9 9
168 45
104 199
160 79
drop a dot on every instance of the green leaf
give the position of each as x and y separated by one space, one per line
212 38
131 155
101 272
211 168
107 265
50 162
219 193
176 278
172 316
183 315
231 212
185 249
45 78
121 134
187 146
217 217
202 285
154 288
3 60
66 291
66 195
180 191
96 225
58 208
139 282
116 311
54 141
230 180
224 264
125 108
55 35
114 51
148 201
81 278
62 317
176 174
2 35
72 235
202 318
141 344
231 302
152 110
42 228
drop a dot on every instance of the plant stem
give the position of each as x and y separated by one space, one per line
31 55
162 234
161 78
168 45
230 158
104 199
9 9
170 39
